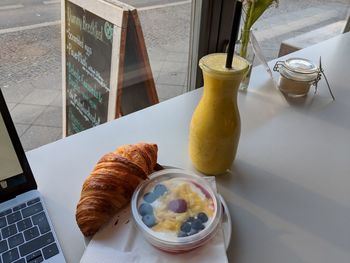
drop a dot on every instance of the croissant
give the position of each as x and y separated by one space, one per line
109 187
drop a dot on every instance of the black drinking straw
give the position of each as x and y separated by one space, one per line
234 33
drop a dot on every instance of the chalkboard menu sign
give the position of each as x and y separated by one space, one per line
88 67
105 66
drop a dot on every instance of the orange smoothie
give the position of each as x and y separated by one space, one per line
215 126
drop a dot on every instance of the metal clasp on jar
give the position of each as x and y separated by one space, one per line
295 83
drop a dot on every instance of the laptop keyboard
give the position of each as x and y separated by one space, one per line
25 234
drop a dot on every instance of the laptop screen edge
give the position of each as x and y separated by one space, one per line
30 183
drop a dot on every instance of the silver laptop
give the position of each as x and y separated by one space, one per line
26 232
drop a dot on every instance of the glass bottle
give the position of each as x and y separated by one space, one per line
215 125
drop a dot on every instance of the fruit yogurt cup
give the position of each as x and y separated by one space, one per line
176 210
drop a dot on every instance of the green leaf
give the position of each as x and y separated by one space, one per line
259 8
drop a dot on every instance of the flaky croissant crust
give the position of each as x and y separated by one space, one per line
109 187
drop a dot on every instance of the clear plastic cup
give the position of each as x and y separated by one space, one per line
176 210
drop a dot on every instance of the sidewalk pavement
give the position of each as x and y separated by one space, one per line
36 105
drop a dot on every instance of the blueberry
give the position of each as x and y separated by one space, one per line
190 219
197 224
186 227
149 220
182 234
202 217
149 197
145 209
178 206
160 190
192 232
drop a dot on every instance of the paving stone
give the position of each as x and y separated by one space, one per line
59 137
169 91
26 114
170 66
155 75
16 93
157 54
295 24
182 45
10 105
21 128
57 100
52 116
37 136
172 78
177 57
50 81
166 25
41 97
156 65
29 54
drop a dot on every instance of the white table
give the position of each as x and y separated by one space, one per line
289 192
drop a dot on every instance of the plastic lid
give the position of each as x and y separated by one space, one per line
299 69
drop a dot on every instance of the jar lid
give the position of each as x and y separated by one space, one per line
301 65
298 69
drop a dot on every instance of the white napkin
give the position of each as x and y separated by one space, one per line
120 241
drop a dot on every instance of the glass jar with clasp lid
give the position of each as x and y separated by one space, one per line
297 75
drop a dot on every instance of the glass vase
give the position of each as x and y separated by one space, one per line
246 51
